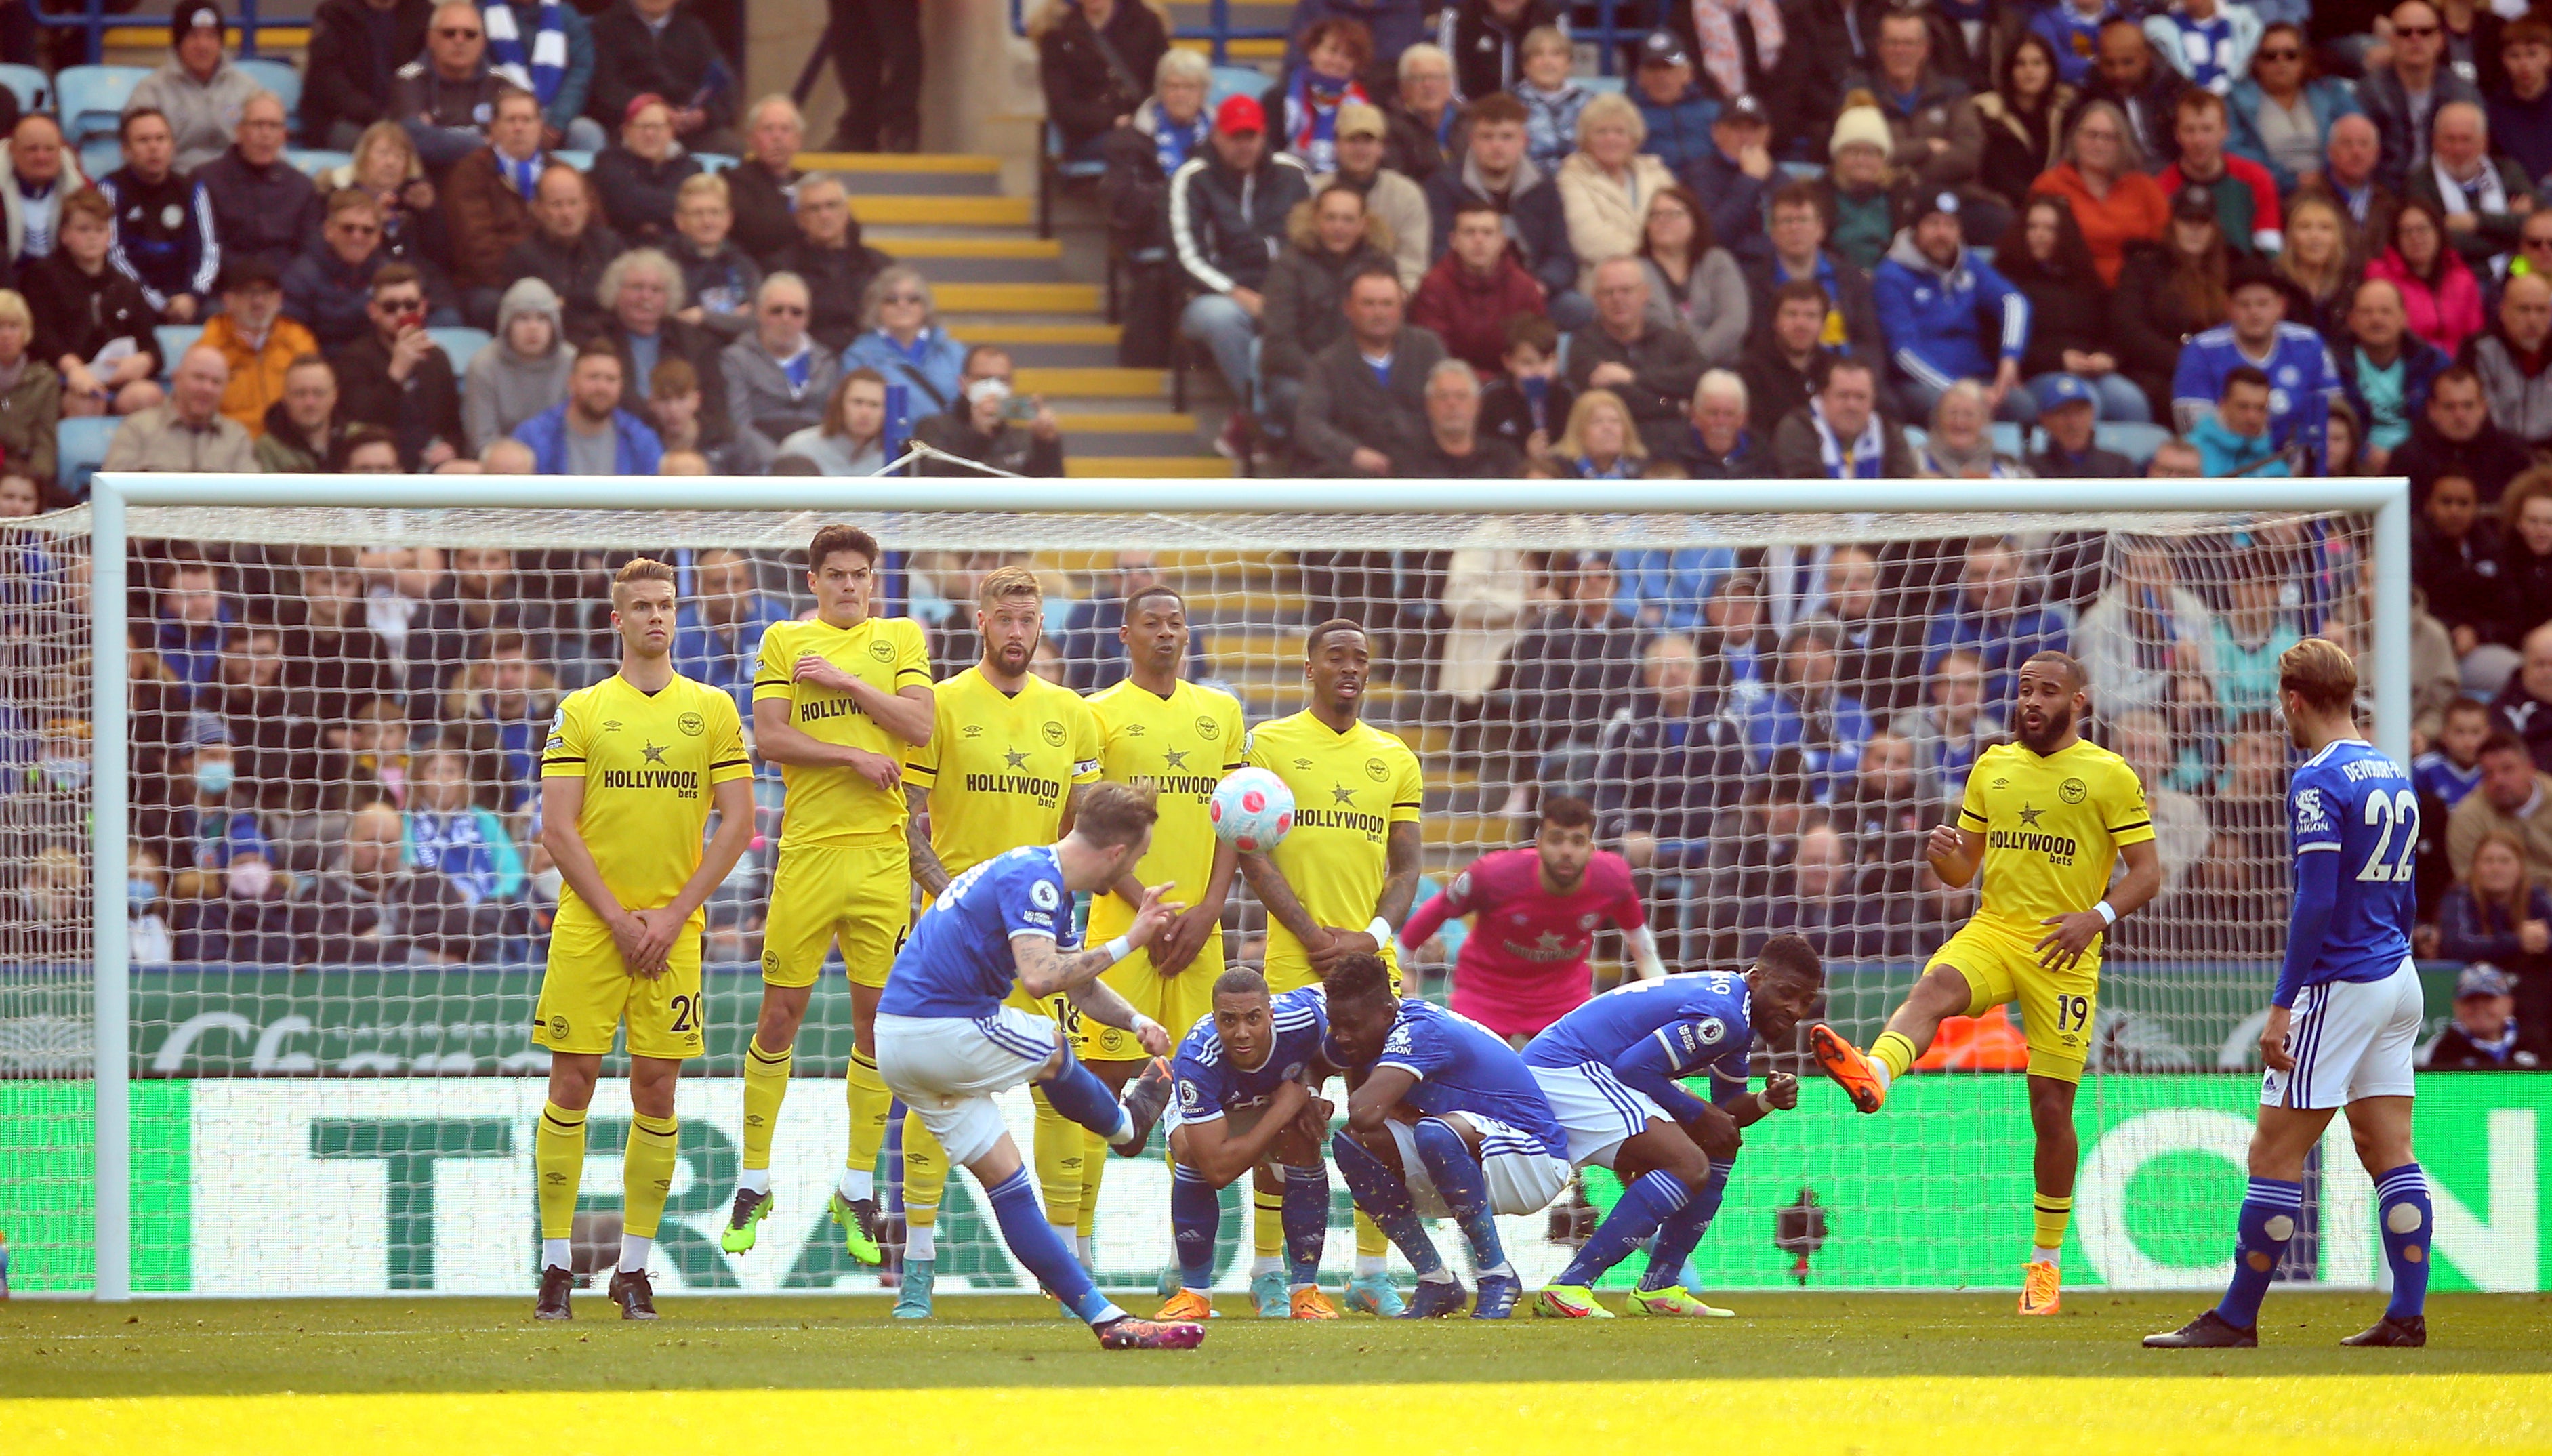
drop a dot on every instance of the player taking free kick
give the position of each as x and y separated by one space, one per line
948 1041
632 766
2047 819
2344 1021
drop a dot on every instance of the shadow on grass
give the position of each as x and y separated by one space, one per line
227 1347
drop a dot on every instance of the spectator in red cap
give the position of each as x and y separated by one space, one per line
1228 209
639 173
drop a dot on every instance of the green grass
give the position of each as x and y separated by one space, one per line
457 1345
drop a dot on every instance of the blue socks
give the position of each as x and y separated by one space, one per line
1680 1233
1645 1203
1033 1240
1077 1093
2410 1225
1384 1197
1196 1220
2270 1210
1306 1222
1464 1187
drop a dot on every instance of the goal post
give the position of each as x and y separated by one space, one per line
1249 518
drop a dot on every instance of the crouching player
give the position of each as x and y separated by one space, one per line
947 1044
1443 1120
1610 1072
1242 1102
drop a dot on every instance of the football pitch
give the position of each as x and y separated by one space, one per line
1941 1375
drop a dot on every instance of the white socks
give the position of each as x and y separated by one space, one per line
2047 1255
754 1180
920 1242
1370 1264
1087 1245
555 1254
633 1252
1267 1264
856 1183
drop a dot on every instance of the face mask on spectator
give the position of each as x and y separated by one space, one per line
214 779
140 894
987 390
251 879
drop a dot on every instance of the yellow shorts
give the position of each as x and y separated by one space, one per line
1176 1001
1289 969
587 992
2055 1006
859 895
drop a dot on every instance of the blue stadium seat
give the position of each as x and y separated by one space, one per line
99 156
712 161
1602 85
460 345
582 160
174 341
1235 80
317 164
92 97
280 77
2007 439
80 447
2136 442
35 89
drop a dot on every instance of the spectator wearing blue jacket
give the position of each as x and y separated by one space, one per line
2234 439
2072 28
2303 383
717 634
2385 371
1991 620
2278 77
588 433
1805 711
1938 303
902 339
1664 589
1678 111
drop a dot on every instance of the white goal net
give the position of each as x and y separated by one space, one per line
335 908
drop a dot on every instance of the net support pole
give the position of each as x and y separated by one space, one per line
2391 608
110 816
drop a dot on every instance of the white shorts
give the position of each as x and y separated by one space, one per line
2350 1039
1522 1177
1597 1110
948 1069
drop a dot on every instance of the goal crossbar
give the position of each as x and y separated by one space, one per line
113 494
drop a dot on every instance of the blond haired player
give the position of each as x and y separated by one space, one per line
1156 729
631 768
2047 819
1340 884
837 701
1008 755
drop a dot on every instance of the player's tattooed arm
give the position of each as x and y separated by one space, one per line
1270 885
1398 887
1101 1003
1045 971
928 872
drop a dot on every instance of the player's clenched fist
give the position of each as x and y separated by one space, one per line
1781 1091
1943 843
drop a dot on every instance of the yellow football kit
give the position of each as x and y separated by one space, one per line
843 875
649 761
1182 745
1349 788
2053 828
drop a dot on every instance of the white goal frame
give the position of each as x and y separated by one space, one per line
2388 499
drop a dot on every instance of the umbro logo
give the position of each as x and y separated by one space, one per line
2002 783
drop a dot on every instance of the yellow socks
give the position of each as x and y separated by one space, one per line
2050 1214
1266 1222
870 1102
1058 1163
1094 1170
1895 1052
557 1161
926 1178
1370 1242
766 1083
646 1174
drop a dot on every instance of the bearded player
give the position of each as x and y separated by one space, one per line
1338 884
2047 819
837 701
631 768
1180 739
1524 964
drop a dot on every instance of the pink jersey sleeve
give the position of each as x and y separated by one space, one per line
1620 891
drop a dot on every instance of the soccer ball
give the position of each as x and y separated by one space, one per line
1251 810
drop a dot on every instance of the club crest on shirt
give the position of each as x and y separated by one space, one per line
1052 733
1207 728
882 650
692 724
1376 770
2072 790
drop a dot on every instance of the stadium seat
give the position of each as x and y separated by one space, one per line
582 160
35 89
1054 169
2136 442
80 447
2007 439
1235 80
99 156
1602 85
280 77
712 161
460 345
316 164
92 97
174 341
